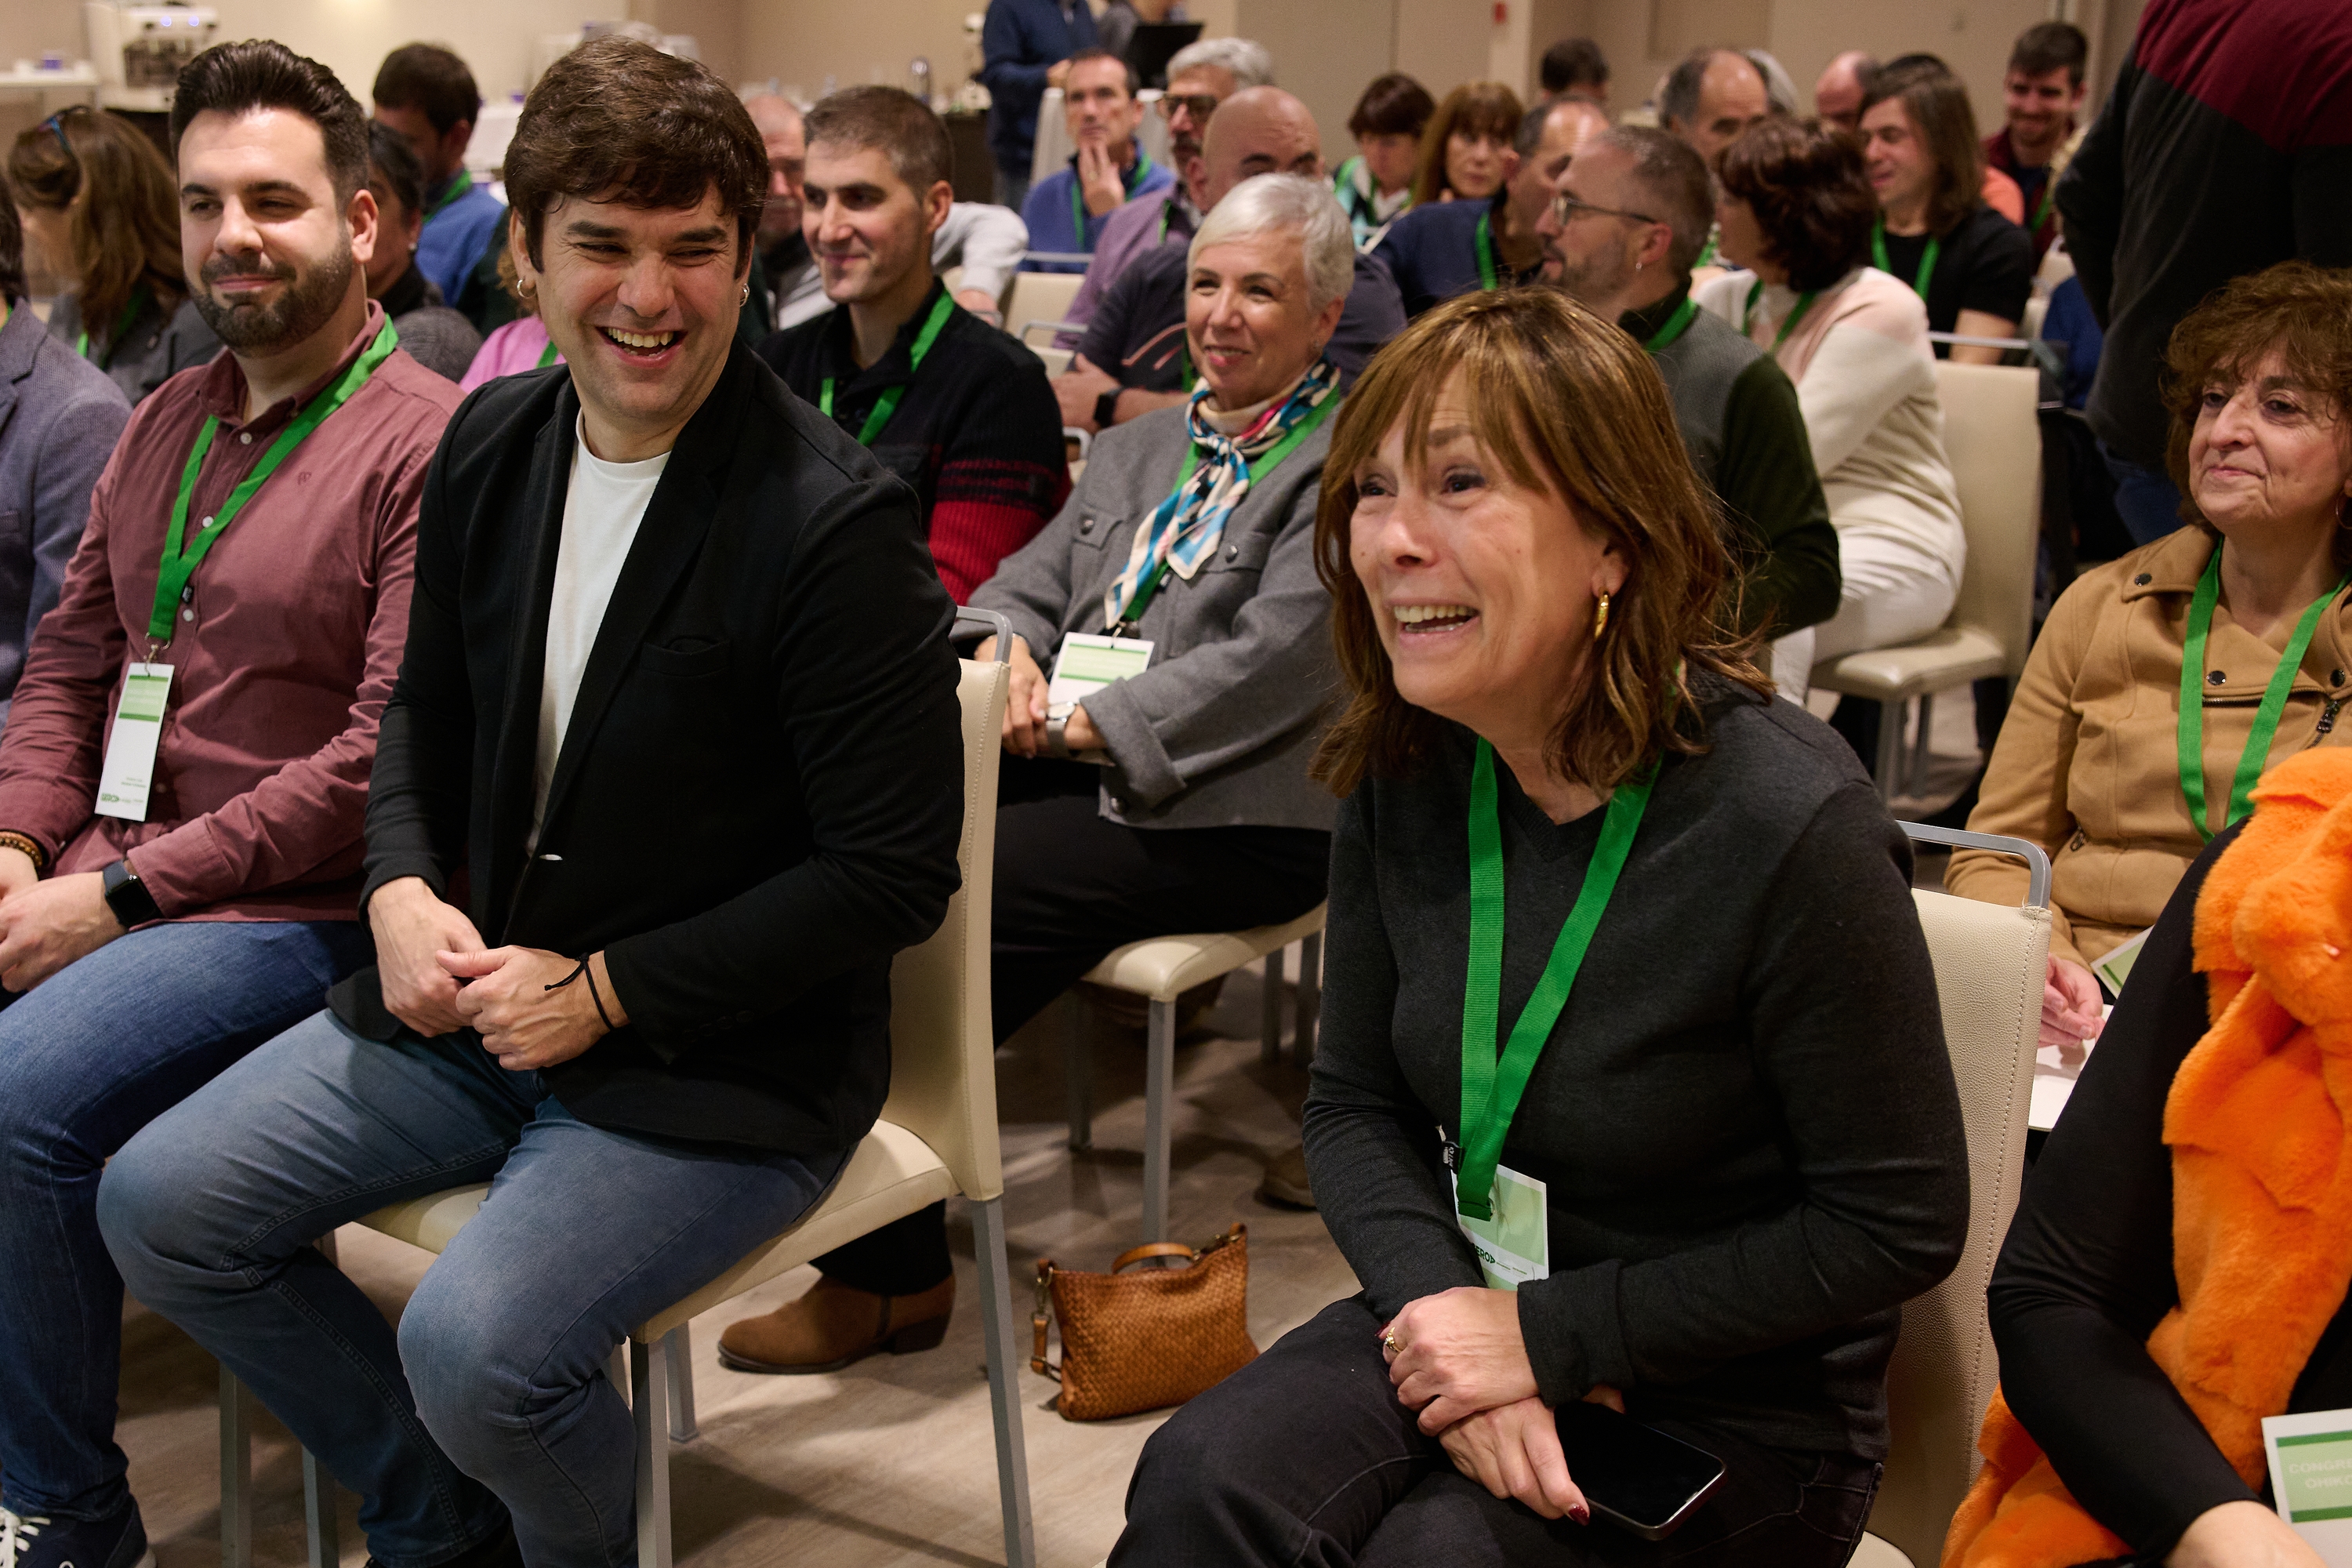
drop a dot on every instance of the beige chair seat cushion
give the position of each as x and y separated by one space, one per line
1942 659
1164 967
892 1175
1873 1553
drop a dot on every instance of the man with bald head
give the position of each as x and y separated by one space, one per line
1837 96
1131 360
1631 214
1444 248
1711 98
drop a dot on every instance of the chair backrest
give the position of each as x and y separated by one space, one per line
1041 297
942 1043
1990 960
1993 438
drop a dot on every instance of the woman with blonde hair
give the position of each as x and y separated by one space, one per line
1466 149
1561 1182
101 204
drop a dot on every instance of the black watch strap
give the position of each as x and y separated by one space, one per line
1107 409
128 897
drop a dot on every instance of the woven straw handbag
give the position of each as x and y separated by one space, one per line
1145 1340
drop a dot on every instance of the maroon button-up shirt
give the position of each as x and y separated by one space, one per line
300 612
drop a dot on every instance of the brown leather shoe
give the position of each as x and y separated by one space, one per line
833 1325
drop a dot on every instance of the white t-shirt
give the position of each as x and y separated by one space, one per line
600 512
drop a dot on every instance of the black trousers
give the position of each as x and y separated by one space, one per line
1070 886
1305 1458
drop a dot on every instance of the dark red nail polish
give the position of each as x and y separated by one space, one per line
1580 1513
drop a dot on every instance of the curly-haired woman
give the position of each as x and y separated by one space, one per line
2165 682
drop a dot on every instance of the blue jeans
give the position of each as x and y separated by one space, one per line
86 1059
2145 498
493 1400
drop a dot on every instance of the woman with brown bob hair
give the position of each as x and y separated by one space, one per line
101 205
2089 764
1468 147
1972 266
1698 1203
1795 211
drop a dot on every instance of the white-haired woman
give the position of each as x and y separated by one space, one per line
1175 798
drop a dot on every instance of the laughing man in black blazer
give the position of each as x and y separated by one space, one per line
679 706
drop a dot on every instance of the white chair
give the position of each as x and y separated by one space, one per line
937 1138
1040 297
1993 440
1161 969
1990 961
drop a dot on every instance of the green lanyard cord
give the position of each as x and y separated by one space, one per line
179 564
1676 326
1486 242
1141 172
1491 1091
547 356
139 298
1264 464
887 404
1707 255
2042 208
458 185
1926 257
1788 323
2192 732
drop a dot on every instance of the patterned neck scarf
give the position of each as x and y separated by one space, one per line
1183 532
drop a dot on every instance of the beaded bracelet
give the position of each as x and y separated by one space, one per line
12 840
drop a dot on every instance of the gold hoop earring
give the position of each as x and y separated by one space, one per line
745 297
1601 617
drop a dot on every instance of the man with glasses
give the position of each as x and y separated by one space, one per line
1630 214
1199 77
1066 210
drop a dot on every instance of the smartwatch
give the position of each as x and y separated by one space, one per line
128 897
1107 409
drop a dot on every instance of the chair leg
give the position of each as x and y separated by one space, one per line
1890 749
678 1349
318 1523
1311 997
1158 1088
237 1473
1270 1010
1920 747
1078 1075
647 1399
1004 1382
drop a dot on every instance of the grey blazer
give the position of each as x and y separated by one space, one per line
1218 732
59 417
156 348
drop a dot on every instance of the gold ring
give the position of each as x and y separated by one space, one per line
1390 1340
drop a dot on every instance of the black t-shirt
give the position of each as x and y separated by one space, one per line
1985 264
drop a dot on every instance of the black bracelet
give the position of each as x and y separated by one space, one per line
594 994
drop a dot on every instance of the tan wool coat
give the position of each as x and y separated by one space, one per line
2087 764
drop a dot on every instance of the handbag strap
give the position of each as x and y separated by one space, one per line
1153 1249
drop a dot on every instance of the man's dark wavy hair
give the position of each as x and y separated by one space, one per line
261 73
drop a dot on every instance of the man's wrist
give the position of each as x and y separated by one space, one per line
1107 409
131 900
26 844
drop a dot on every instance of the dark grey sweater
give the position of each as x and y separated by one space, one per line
1746 1115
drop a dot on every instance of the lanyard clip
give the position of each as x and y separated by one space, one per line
1451 1151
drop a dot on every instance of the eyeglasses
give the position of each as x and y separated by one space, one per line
1565 208
1199 105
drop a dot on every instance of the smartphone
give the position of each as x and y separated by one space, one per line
1636 1477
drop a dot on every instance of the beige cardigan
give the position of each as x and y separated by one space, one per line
2087 764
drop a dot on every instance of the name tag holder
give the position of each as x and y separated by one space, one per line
2311 1478
129 769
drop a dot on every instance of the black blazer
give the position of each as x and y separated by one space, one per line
759 794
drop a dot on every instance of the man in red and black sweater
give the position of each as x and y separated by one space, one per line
959 411
2225 147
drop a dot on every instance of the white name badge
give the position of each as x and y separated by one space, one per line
1513 1246
1087 663
130 768
2311 1478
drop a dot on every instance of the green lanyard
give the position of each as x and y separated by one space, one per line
887 404
1927 259
139 298
1491 1091
1486 242
546 357
1804 303
1141 172
2251 760
2042 208
1258 470
458 187
1675 325
179 564
1707 255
